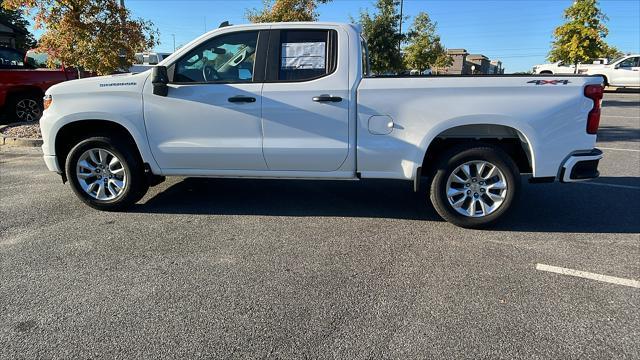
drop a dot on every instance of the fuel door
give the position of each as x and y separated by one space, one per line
380 125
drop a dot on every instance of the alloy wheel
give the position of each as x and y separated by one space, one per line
28 110
476 188
101 174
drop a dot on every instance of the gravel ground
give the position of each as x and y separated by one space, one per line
25 131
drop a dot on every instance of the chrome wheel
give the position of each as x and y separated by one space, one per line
101 174
28 110
476 188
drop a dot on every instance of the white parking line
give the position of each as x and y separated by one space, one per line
622 116
617 149
589 275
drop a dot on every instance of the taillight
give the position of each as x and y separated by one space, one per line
595 93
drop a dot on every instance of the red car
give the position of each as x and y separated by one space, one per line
23 83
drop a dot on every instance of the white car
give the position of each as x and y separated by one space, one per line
560 68
622 72
295 100
146 60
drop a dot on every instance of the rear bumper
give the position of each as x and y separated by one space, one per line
581 166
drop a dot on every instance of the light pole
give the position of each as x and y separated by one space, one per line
174 42
400 27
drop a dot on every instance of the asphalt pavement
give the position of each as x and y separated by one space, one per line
223 268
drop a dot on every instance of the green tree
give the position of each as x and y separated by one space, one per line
383 36
97 35
581 37
424 48
285 10
16 18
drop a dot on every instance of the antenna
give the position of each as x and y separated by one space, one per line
224 24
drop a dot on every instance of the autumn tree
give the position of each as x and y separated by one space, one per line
424 49
16 18
383 36
96 35
581 37
286 10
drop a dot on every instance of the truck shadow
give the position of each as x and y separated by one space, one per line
581 208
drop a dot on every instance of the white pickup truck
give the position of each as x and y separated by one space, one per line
294 100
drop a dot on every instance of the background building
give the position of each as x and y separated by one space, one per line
470 64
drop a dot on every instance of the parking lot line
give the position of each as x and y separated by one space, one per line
589 275
620 116
617 149
610 185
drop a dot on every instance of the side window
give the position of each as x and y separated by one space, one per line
11 58
629 63
366 70
226 58
306 54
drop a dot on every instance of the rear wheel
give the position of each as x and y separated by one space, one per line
474 186
105 173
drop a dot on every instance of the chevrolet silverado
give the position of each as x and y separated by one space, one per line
295 100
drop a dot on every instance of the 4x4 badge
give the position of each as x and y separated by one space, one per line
548 82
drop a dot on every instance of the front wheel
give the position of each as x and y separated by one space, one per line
105 173
474 186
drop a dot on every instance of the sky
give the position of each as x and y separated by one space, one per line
517 32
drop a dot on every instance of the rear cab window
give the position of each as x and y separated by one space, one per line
302 55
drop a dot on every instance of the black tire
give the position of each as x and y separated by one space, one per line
25 107
460 155
136 185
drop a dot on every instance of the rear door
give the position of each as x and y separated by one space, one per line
305 100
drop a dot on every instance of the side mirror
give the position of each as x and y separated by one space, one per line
160 79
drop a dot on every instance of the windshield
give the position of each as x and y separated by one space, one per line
617 59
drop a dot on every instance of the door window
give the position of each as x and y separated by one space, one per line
629 63
10 58
305 54
227 58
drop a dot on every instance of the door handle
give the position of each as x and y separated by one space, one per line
241 99
327 98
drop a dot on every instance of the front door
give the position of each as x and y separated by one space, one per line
627 72
305 101
210 119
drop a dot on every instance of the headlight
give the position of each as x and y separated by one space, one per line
46 101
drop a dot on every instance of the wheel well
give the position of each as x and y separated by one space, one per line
546 72
71 134
508 139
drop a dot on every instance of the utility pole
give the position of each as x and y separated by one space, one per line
174 42
400 27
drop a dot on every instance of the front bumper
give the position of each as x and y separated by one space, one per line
52 163
581 166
